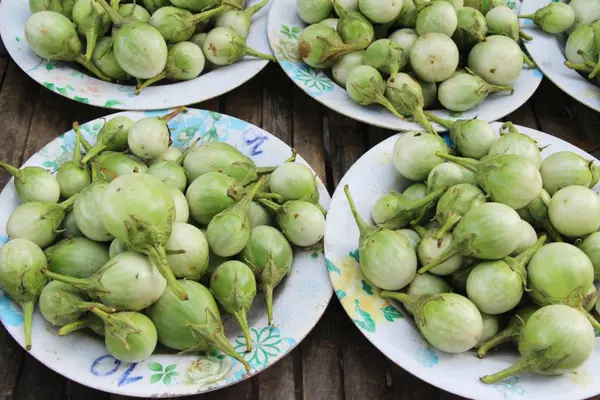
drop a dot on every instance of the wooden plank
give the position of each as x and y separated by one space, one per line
364 366
3 65
75 391
277 103
278 381
523 116
307 125
404 386
562 116
245 102
320 367
318 372
15 113
11 359
38 382
3 52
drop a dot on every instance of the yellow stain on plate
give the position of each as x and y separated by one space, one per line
357 287
581 378
383 157
592 92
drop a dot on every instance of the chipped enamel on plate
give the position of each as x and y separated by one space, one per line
284 26
548 52
82 357
64 79
384 324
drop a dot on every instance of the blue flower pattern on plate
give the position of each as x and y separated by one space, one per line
9 312
315 82
509 388
308 289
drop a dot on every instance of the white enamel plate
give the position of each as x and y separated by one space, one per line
395 335
65 80
83 358
548 52
284 26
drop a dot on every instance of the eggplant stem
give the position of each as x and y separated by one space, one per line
212 332
525 36
448 225
592 320
86 305
80 283
527 16
255 53
468 163
86 145
250 11
520 366
578 67
422 120
269 204
595 71
77 147
150 81
387 104
91 67
528 61
28 307
242 321
450 252
173 114
91 37
441 121
403 297
185 152
72 327
264 170
68 203
112 13
362 224
203 16
14 171
339 9
507 335
272 196
268 291
94 151
158 256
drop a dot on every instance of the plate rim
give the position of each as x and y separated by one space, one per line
165 393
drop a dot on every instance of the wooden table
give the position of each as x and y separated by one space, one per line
335 361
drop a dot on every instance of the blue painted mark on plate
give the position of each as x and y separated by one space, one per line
107 365
97 365
9 314
537 73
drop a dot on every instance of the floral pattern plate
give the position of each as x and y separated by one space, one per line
548 52
83 358
64 79
391 329
284 26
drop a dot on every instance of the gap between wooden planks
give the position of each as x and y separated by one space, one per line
335 361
